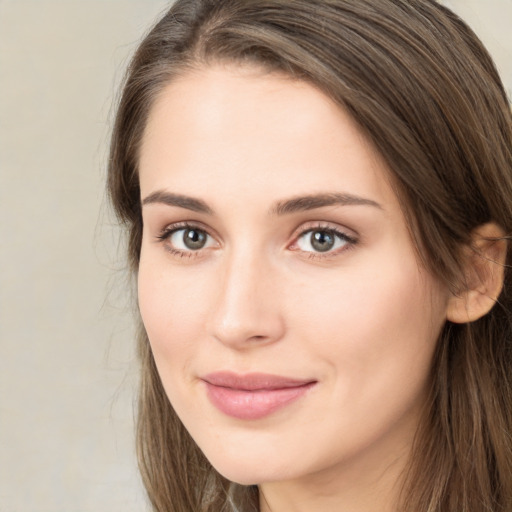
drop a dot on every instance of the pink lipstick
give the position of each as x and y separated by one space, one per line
253 396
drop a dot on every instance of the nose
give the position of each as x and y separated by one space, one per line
247 311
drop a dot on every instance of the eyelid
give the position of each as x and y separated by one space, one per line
184 224
165 234
347 234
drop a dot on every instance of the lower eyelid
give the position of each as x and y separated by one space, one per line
182 254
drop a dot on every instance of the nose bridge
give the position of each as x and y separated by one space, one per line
246 309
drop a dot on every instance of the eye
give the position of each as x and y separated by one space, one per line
186 239
323 240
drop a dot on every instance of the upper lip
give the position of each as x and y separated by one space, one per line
253 381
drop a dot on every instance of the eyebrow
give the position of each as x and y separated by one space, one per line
313 201
295 204
170 199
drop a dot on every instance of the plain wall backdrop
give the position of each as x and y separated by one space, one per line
67 364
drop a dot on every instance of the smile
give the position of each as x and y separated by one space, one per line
253 396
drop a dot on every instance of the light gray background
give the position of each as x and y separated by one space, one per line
67 369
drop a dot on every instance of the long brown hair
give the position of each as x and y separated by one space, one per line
424 90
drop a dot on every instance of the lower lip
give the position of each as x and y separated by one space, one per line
253 405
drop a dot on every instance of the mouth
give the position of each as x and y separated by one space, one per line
255 395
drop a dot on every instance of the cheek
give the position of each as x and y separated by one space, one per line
377 333
373 336
172 310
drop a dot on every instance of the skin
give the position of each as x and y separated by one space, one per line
361 320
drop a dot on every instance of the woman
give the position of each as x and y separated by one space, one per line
319 201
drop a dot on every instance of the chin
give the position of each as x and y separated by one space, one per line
244 475
252 468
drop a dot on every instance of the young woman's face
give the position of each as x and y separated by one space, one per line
290 321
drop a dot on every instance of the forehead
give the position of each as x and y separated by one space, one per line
254 131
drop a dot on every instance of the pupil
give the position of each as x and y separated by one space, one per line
194 239
322 241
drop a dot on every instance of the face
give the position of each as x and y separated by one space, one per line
291 323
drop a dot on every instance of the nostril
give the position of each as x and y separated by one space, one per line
259 338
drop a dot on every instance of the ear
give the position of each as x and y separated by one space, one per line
483 275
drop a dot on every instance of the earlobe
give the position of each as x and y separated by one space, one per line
483 276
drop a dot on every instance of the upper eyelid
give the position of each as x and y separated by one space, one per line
302 228
176 226
305 227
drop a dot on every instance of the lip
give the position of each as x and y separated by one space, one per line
254 395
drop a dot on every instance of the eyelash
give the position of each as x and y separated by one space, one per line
349 241
168 231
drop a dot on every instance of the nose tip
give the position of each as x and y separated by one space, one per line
247 311
241 334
